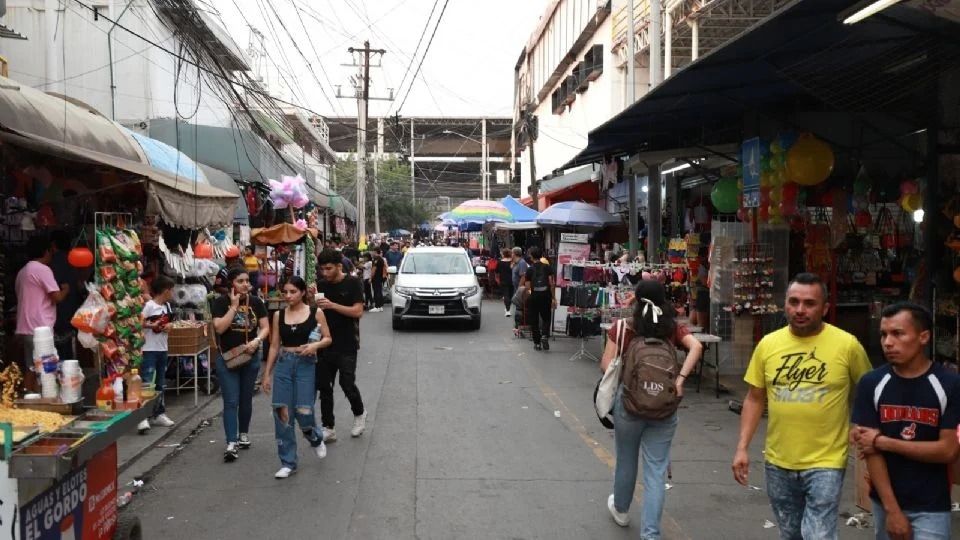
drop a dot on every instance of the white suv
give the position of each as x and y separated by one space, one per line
436 283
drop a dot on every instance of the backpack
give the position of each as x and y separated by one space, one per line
541 278
649 376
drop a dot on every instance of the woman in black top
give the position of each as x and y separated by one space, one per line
299 331
240 320
505 276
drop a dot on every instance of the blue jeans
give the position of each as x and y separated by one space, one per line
294 389
236 387
923 525
805 503
154 366
653 437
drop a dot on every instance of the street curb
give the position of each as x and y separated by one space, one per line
201 405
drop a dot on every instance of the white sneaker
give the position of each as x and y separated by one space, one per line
329 435
621 518
506 313
284 472
359 424
143 427
162 420
321 450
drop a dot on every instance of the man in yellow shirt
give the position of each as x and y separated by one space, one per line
805 373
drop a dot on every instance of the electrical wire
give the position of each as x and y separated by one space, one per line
425 51
413 57
319 60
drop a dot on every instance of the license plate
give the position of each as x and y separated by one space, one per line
435 310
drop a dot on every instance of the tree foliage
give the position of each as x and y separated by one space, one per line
397 210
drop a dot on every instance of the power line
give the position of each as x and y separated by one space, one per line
425 51
423 33
320 60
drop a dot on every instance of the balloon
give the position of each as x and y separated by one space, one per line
764 196
765 164
80 257
774 211
809 161
765 180
788 208
776 195
740 183
778 178
232 252
862 219
203 250
908 187
776 147
743 215
911 202
790 191
763 213
724 195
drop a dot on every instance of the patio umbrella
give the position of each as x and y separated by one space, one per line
577 214
480 211
518 210
399 232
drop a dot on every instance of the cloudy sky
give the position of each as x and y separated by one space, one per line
468 70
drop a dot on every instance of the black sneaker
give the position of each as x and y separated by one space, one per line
546 344
231 453
537 346
244 442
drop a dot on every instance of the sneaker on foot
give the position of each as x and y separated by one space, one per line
506 313
546 344
621 518
537 346
244 442
359 424
284 472
321 450
231 453
329 435
162 420
143 427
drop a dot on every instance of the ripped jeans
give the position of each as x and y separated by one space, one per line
294 389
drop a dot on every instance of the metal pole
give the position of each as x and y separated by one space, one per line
362 147
631 56
484 183
632 220
695 39
667 45
376 177
654 205
413 166
656 27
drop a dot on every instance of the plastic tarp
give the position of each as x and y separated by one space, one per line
518 210
167 158
282 233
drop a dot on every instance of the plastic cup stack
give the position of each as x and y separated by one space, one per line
71 381
46 361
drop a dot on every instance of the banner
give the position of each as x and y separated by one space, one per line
82 505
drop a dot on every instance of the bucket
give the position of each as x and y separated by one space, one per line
42 332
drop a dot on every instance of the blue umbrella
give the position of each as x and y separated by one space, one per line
577 214
518 210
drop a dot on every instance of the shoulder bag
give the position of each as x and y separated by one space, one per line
238 356
606 389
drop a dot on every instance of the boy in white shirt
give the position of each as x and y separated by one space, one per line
157 315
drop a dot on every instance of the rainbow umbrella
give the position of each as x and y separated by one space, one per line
480 211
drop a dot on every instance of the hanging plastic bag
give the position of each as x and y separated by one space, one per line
87 340
93 315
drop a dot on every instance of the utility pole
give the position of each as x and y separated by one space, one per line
376 177
631 57
362 95
413 166
485 182
528 127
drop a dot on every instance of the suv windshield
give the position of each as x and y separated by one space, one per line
435 263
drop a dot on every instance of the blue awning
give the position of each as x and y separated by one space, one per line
801 58
167 158
518 210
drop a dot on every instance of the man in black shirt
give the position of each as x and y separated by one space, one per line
540 282
378 274
342 304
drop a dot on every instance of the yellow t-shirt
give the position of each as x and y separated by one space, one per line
809 383
251 263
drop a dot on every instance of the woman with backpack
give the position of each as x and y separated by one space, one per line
646 402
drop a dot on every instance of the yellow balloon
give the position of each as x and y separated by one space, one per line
911 202
765 180
779 177
774 211
740 184
776 195
809 161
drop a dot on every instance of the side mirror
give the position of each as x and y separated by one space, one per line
481 270
392 270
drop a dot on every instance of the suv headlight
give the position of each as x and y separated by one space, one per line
404 291
469 291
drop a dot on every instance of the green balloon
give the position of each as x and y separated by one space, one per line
725 196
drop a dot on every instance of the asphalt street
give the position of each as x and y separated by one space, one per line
471 434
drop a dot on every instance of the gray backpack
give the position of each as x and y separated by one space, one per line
649 378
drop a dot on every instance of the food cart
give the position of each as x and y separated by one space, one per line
60 481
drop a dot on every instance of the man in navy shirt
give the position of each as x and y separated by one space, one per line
906 414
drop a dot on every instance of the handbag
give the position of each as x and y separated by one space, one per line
606 390
238 356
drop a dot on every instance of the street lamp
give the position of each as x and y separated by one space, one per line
484 173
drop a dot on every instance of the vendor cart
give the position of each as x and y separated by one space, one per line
63 484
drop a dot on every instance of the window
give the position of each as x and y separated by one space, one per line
436 263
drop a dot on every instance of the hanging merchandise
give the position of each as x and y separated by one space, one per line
310 254
724 195
809 161
753 281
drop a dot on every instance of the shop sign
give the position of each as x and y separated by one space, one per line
750 156
576 238
81 505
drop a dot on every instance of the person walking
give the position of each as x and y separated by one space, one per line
505 277
342 304
253 265
519 270
653 317
803 374
367 266
240 321
298 333
378 275
540 283
38 294
906 414
157 315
